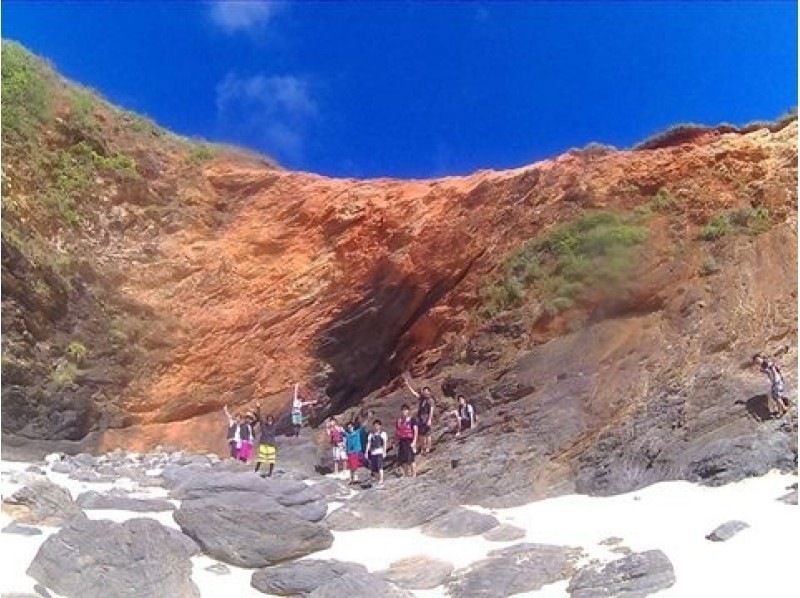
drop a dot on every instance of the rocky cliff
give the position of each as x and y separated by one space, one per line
601 307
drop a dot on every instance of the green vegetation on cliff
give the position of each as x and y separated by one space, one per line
596 251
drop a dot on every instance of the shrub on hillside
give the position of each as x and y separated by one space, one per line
593 252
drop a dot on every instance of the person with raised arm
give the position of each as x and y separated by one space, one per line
425 407
297 409
267 445
233 437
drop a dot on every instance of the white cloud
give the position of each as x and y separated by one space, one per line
243 16
274 110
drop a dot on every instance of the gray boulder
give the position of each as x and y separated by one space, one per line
96 500
207 483
84 474
790 498
22 530
138 558
726 531
418 573
249 530
459 522
633 576
403 503
519 568
504 533
359 584
301 577
41 503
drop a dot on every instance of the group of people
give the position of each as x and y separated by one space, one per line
354 445
242 429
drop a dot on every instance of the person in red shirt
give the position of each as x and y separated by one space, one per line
406 432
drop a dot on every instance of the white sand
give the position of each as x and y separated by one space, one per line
671 516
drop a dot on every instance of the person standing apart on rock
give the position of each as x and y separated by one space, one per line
267 442
336 436
246 437
376 450
465 415
406 432
297 409
425 407
234 440
777 389
354 449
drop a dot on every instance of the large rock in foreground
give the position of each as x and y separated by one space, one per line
520 568
633 576
41 503
139 558
302 577
249 530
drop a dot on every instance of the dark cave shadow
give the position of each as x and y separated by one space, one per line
758 407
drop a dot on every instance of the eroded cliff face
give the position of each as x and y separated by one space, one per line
600 307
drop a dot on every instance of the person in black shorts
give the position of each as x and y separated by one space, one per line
406 432
376 449
425 407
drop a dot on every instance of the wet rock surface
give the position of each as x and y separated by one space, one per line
22 530
41 503
400 503
726 531
138 558
459 522
358 584
418 573
97 500
519 568
249 530
504 533
634 576
302 577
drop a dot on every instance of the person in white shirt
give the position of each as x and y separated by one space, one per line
376 449
465 415
297 409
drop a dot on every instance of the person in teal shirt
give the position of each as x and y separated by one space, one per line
354 448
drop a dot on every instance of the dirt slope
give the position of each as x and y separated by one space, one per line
598 306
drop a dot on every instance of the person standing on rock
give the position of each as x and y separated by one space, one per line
354 449
246 437
336 437
777 389
406 432
376 450
233 437
425 407
267 442
297 409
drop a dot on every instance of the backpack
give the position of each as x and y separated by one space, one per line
405 430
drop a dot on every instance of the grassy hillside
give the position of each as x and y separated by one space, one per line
84 186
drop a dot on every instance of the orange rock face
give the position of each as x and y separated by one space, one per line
341 284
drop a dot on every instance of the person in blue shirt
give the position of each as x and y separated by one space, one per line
355 449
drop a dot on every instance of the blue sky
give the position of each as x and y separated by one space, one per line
416 90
